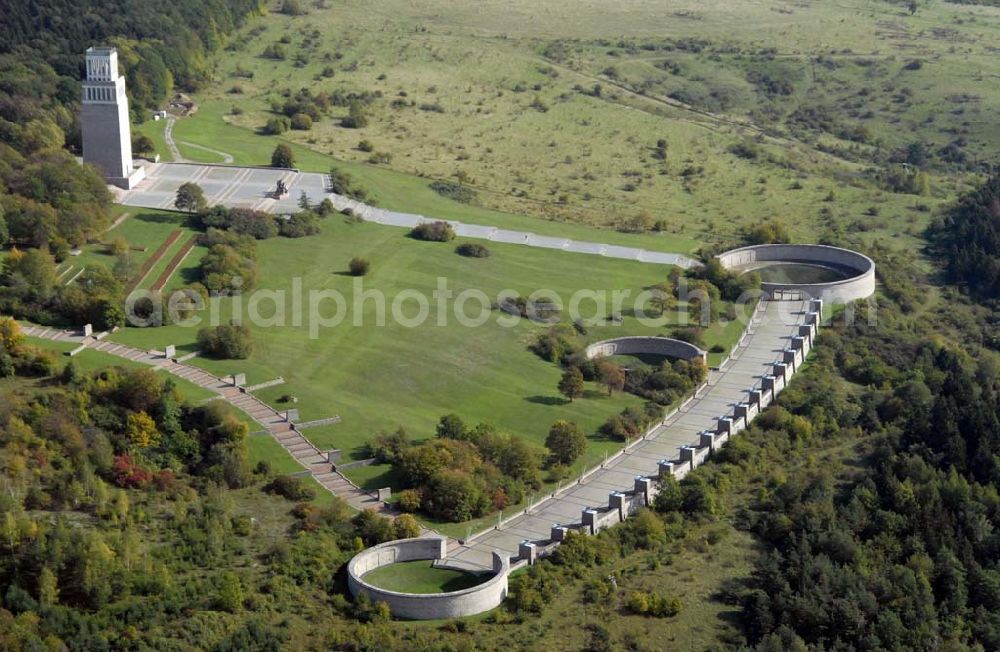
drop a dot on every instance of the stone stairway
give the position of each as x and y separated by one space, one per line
285 433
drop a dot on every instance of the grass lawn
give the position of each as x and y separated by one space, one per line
154 129
421 577
264 447
382 377
145 229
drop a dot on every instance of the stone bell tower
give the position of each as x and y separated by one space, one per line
107 137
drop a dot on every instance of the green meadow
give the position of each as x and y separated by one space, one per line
379 377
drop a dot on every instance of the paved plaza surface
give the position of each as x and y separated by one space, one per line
245 187
227 185
769 334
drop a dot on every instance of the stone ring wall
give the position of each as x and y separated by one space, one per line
652 345
425 606
859 269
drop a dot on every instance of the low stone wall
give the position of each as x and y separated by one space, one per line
860 283
425 606
650 345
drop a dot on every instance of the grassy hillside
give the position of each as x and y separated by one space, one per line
502 97
381 377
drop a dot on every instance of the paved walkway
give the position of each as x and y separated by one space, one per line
273 421
769 334
168 136
252 187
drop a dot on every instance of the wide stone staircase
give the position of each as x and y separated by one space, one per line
274 423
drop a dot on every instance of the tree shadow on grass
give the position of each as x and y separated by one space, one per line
547 400
389 478
464 581
189 274
163 218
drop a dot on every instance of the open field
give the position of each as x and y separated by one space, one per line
493 95
404 192
383 377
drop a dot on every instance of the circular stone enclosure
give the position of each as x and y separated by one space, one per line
662 346
832 274
425 606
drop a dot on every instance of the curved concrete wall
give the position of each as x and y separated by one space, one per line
653 345
425 606
859 285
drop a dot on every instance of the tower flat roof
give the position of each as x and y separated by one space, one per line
101 50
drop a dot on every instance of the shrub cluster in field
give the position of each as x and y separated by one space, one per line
464 472
454 191
467 472
472 250
433 231
226 341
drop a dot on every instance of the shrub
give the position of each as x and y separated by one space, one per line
409 500
358 266
470 250
386 447
772 232
223 265
299 225
293 8
244 221
343 184
746 149
226 341
654 604
290 487
275 51
406 527
302 122
454 191
690 334
357 117
433 231
282 156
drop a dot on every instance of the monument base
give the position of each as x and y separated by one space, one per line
129 182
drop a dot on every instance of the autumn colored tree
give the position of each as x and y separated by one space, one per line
611 376
566 442
571 383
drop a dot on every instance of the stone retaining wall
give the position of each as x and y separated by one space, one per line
859 285
420 606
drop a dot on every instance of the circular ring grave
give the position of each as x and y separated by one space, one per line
832 274
425 606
